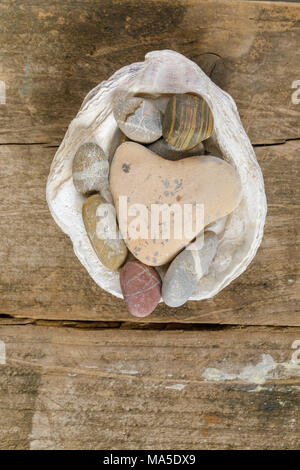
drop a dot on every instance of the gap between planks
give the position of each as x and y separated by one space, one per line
10 320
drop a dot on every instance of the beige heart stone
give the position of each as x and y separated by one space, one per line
142 177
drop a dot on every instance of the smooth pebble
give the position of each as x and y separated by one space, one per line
187 269
142 177
90 169
187 121
141 288
138 118
99 218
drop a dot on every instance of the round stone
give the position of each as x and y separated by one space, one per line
141 288
100 223
138 118
188 121
90 169
187 269
165 150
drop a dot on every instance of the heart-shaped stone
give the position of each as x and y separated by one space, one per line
139 176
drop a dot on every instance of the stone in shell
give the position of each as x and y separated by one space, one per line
162 73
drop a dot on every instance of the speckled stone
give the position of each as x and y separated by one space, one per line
187 269
142 177
138 118
165 150
111 252
141 288
187 121
90 169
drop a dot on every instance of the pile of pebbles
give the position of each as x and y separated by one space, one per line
160 160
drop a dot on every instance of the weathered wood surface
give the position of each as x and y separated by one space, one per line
117 389
53 53
129 388
40 277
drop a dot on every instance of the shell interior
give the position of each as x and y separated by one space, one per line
162 73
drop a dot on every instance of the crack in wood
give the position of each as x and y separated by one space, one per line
10 320
49 145
294 139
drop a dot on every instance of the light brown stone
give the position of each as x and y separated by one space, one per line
145 178
111 252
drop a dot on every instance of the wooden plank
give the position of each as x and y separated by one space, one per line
53 53
116 389
40 277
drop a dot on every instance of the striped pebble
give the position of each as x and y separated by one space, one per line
141 288
188 121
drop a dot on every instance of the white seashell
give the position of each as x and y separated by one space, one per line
162 72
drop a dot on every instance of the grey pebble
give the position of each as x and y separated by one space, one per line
90 169
138 118
187 269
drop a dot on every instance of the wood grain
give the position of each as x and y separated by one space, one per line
52 53
114 383
40 277
116 389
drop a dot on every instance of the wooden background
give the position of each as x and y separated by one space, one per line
79 372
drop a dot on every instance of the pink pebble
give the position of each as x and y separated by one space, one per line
141 288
